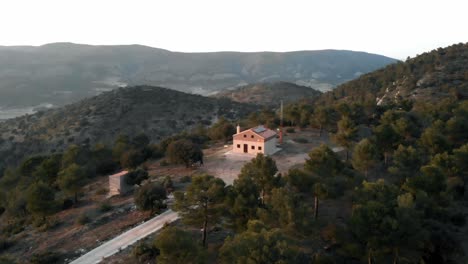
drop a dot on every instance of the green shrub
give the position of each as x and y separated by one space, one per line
164 163
290 130
38 222
136 177
185 179
458 219
151 197
322 259
47 257
301 140
328 233
337 187
143 252
67 204
353 250
168 184
102 191
7 260
5 244
43 225
105 207
14 227
156 152
83 219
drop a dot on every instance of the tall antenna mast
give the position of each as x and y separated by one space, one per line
281 111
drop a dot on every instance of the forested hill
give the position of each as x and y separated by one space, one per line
269 93
438 74
60 73
156 112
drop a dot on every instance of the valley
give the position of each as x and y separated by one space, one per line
374 171
270 94
63 73
10 113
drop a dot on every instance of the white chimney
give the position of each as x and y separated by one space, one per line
238 129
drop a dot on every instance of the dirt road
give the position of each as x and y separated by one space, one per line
126 239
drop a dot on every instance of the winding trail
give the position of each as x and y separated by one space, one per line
126 239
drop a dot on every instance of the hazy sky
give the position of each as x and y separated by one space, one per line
396 28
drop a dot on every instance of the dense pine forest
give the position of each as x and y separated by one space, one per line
399 184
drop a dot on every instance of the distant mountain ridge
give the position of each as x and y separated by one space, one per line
60 73
269 94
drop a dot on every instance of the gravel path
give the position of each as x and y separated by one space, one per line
126 239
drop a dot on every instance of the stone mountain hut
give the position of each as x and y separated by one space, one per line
254 140
117 184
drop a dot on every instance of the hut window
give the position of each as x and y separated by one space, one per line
245 135
238 145
253 147
252 136
259 148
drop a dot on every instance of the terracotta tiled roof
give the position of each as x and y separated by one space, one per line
263 132
120 174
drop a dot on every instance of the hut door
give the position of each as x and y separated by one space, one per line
246 148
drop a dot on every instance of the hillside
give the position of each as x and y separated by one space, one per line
352 182
269 93
157 112
435 75
61 73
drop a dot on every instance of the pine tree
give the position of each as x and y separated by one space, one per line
364 156
346 133
72 179
40 200
202 204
